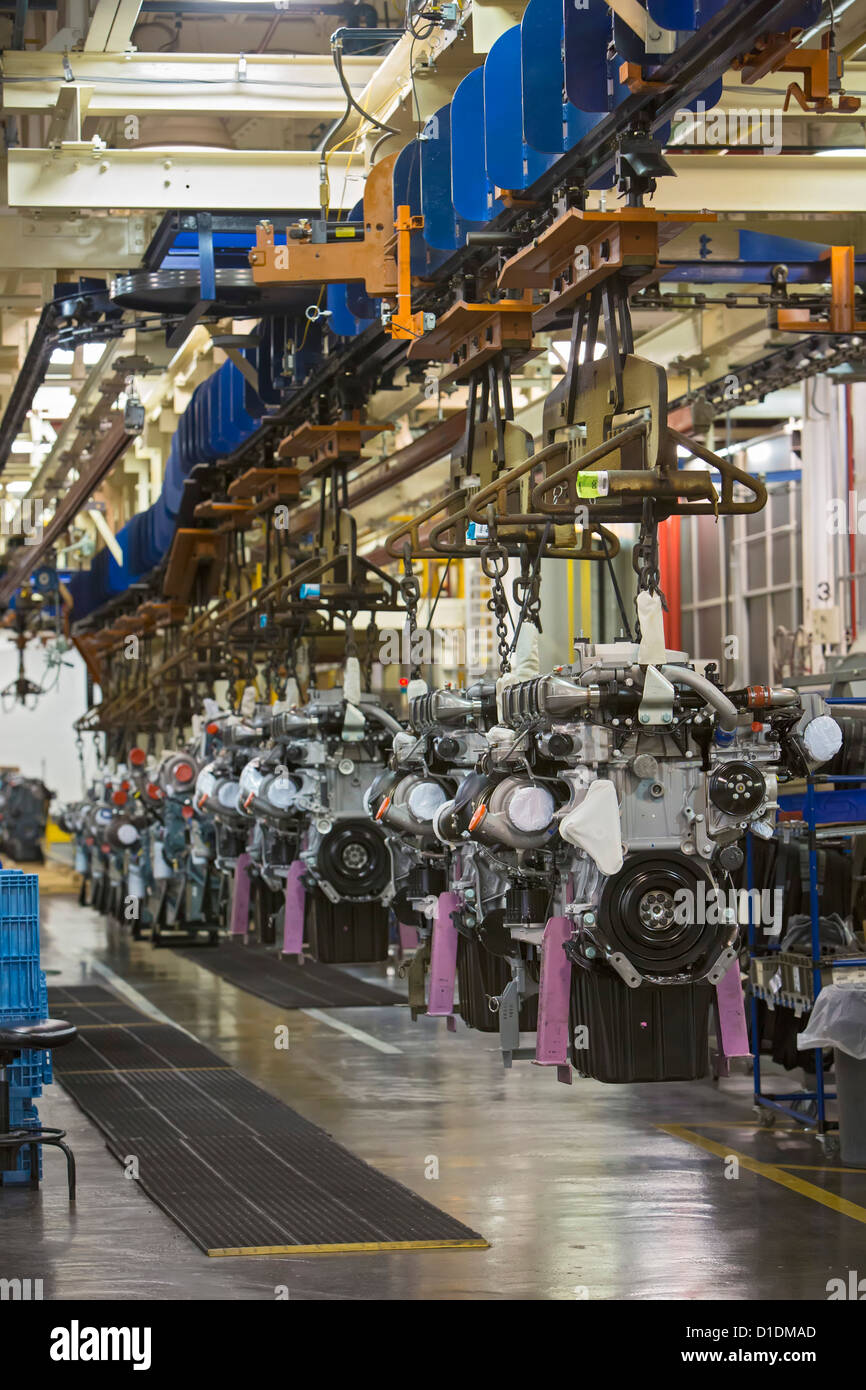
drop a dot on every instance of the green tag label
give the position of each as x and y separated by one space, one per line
591 484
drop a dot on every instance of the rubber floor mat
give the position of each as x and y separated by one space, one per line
240 1172
259 971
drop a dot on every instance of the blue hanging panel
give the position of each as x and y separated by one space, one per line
221 410
342 319
406 182
588 32
443 229
269 358
471 190
675 14
241 425
510 162
550 122
199 410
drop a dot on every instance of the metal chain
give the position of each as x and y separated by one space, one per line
79 748
527 589
645 557
410 592
494 565
370 651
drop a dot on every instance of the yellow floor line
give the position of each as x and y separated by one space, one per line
360 1248
771 1171
738 1124
819 1167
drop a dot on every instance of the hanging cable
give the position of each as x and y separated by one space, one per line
616 589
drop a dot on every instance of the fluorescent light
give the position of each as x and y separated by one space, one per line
57 401
560 350
842 152
19 485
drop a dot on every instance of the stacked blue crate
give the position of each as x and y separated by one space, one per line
23 999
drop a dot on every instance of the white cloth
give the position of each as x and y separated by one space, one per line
352 680
650 614
594 826
837 1020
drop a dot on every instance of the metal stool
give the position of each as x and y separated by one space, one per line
16 1038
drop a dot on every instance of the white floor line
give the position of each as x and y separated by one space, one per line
357 1033
133 997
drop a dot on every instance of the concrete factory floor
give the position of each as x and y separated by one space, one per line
583 1192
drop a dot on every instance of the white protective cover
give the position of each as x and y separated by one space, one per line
594 826
352 681
823 738
652 650
530 809
837 1020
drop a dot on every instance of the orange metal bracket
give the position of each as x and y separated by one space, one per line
632 75
843 317
583 248
325 445
468 335
814 63
815 94
306 262
403 323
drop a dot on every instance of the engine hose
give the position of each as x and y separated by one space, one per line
384 718
726 710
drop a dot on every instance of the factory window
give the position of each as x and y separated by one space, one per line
742 597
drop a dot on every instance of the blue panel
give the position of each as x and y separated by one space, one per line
838 806
244 423
587 35
758 246
710 97
269 355
342 321
510 163
471 190
674 14
220 411
550 122
406 183
172 487
628 45
359 303
118 577
200 417
239 424
443 229
253 403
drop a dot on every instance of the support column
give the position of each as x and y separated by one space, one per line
825 517
241 897
293 920
443 958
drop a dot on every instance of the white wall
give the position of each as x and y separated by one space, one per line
41 741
